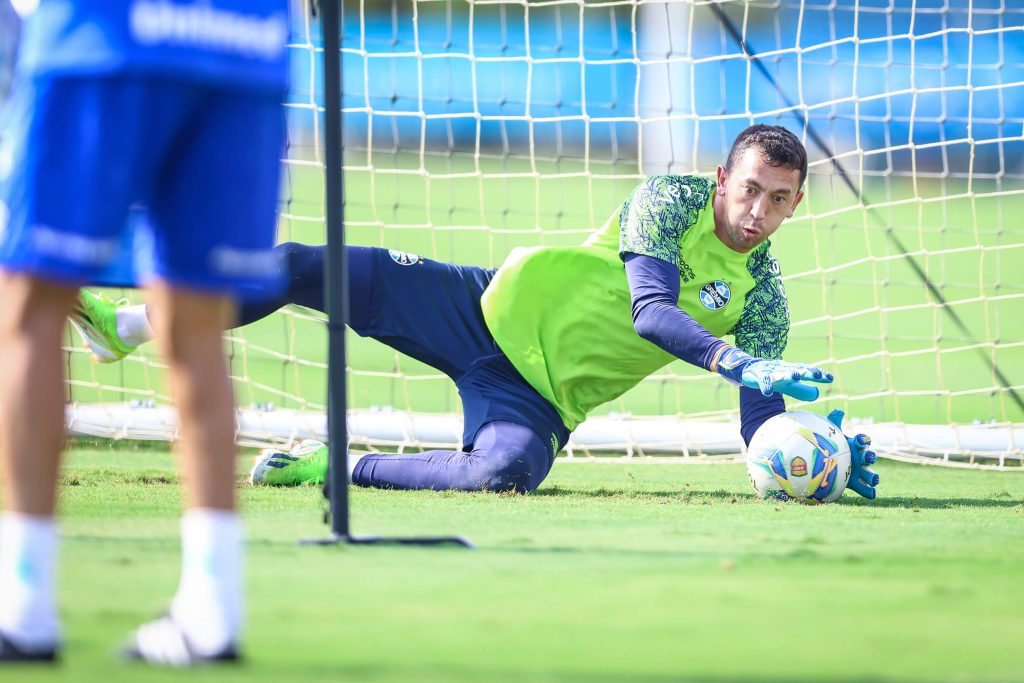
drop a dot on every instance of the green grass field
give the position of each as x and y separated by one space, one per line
611 571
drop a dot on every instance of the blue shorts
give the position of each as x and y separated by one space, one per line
430 311
203 163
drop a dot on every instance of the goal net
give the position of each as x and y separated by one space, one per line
471 128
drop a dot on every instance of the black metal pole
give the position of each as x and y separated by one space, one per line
336 295
335 282
919 271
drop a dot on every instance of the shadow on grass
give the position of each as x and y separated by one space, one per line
698 496
685 495
919 503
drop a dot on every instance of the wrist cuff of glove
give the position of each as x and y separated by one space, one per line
731 363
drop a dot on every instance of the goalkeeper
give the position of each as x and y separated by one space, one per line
556 331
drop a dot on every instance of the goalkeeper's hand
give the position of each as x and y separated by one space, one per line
771 376
862 480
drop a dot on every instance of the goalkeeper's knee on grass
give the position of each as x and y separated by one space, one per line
505 457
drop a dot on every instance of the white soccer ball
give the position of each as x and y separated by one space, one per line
799 455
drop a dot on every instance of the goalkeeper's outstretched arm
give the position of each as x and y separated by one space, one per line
654 289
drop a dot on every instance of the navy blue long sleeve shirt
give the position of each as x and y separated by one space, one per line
654 290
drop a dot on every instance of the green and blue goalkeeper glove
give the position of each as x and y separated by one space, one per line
771 376
862 480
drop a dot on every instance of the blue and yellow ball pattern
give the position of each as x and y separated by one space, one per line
799 456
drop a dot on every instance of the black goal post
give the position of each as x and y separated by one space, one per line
336 295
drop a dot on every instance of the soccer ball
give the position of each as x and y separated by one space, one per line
799 455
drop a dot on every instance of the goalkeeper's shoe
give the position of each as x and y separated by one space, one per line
95 319
12 654
162 642
306 463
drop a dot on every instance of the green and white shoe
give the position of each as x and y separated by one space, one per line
95 319
305 463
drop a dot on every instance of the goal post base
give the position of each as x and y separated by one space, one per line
340 539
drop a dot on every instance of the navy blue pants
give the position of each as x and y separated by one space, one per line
430 311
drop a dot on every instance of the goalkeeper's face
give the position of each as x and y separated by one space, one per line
753 199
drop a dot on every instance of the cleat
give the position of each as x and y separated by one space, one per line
163 643
12 654
95 319
305 463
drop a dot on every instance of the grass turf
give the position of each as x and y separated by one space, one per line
610 571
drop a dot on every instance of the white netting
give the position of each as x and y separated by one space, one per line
471 128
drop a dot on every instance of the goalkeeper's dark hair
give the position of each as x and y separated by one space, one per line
777 146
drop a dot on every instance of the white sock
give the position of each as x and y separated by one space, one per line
208 605
133 325
28 561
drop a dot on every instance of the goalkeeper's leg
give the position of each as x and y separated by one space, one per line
304 266
112 329
504 457
511 435
426 309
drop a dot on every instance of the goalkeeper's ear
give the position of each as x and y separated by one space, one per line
796 202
